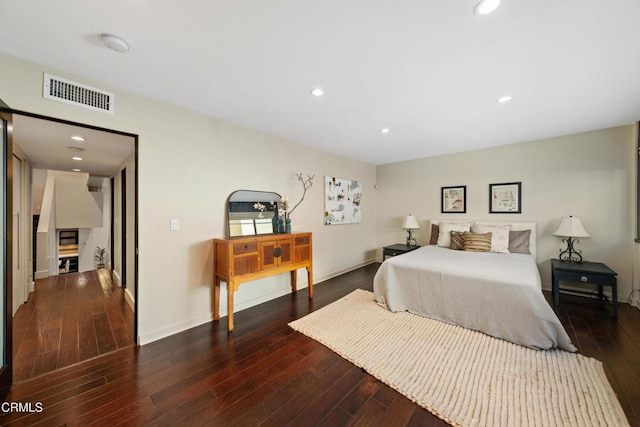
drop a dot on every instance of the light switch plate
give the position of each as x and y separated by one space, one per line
174 225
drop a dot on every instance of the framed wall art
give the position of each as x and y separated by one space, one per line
505 197
453 199
342 199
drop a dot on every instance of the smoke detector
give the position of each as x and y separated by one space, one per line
114 42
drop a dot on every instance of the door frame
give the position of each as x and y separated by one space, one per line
4 109
6 370
123 227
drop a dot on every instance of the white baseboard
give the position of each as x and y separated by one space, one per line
117 277
173 329
197 321
42 274
129 299
341 271
242 305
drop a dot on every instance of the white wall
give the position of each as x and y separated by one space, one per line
75 206
89 239
188 165
588 175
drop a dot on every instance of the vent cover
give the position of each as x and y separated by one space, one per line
71 92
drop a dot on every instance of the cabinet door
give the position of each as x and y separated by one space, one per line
276 253
270 254
286 251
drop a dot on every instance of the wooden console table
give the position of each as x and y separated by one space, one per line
239 260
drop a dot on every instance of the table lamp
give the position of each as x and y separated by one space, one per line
569 228
410 224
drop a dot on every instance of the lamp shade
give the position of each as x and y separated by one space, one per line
410 223
571 227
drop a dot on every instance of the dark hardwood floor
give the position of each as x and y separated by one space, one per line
265 374
69 318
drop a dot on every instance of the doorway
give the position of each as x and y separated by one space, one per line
75 287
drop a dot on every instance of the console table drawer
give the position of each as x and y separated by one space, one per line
245 248
595 279
302 240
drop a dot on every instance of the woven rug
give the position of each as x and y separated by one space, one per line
465 377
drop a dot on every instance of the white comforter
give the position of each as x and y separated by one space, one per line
498 294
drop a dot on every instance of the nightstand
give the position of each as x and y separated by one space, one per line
397 249
595 273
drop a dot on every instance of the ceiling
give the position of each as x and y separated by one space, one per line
428 70
48 145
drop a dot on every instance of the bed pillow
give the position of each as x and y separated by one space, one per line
477 242
519 241
435 230
499 236
457 241
445 229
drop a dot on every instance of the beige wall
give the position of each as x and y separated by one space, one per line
188 165
589 175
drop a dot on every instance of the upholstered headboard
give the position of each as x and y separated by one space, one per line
515 225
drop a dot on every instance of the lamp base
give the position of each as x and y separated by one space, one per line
570 254
411 241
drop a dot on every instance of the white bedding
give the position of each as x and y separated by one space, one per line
498 294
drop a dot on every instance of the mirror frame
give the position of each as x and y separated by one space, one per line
249 198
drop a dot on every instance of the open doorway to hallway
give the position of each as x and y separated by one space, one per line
79 226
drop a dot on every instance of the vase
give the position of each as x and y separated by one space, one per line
274 221
287 225
280 225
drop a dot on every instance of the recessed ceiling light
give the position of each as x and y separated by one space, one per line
317 91
385 130
114 42
76 170
77 158
505 98
77 138
485 7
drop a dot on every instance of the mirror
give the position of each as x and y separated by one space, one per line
252 212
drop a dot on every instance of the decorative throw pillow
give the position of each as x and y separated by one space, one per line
457 241
445 229
519 241
435 230
499 236
477 242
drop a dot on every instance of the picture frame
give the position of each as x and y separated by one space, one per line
342 201
505 198
453 199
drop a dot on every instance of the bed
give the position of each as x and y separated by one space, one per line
499 294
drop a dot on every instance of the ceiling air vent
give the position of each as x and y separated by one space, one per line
70 92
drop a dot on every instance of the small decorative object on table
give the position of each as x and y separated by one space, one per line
571 227
284 210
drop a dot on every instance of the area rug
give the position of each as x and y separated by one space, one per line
465 377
